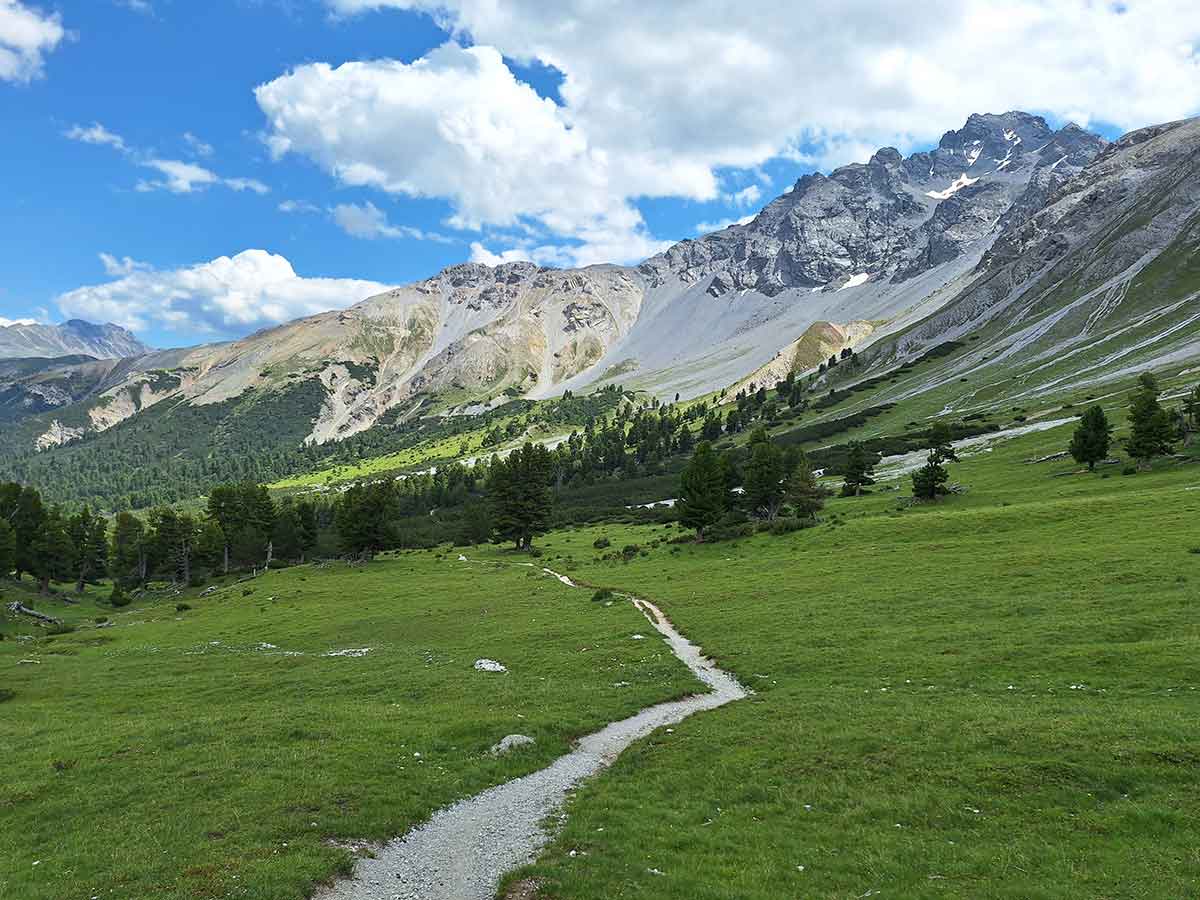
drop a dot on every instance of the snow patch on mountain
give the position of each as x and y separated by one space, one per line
959 183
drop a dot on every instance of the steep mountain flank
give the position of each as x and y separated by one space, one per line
1101 281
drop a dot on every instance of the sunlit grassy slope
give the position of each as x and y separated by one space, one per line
996 696
216 752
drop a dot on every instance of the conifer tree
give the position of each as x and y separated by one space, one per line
805 495
8 548
1189 418
703 494
89 541
1092 438
1150 425
52 552
519 495
764 476
129 551
859 470
309 528
211 545
929 481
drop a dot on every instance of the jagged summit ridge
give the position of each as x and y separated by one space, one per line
890 218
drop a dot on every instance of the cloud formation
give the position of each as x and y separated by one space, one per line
369 222
228 295
26 35
457 124
176 176
658 97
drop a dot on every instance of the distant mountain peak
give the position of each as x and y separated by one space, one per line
75 336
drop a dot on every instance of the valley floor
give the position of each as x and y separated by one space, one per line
992 697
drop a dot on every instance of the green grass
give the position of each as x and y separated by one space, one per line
914 731
144 759
992 697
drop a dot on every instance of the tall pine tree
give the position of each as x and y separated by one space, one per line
859 470
703 494
1150 425
1092 438
519 495
806 496
764 475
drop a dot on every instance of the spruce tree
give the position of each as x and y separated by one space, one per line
8 548
309 528
805 495
703 494
53 555
519 495
1092 438
929 481
764 474
89 540
1190 416
129 551
859 470
210 546
287 537
1150 425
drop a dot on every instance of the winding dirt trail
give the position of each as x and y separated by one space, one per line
464 850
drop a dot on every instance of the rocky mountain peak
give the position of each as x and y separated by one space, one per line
890 218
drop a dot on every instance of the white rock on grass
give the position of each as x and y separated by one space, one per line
511 742
489 665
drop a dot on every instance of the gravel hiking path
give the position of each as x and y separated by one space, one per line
464 850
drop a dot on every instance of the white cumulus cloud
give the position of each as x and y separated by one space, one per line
5 323
176 175
658 97
26 35
228 295
369 222
457 124
95 134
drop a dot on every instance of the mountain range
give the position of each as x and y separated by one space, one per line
73 337
1062 259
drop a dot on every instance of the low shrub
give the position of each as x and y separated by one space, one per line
182 607
789 524
602 543
602 595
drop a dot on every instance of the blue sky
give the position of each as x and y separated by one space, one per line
462 129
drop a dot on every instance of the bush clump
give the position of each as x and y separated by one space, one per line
602 596
182 607
118 597
602 543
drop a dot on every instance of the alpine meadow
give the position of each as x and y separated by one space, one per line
458 451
